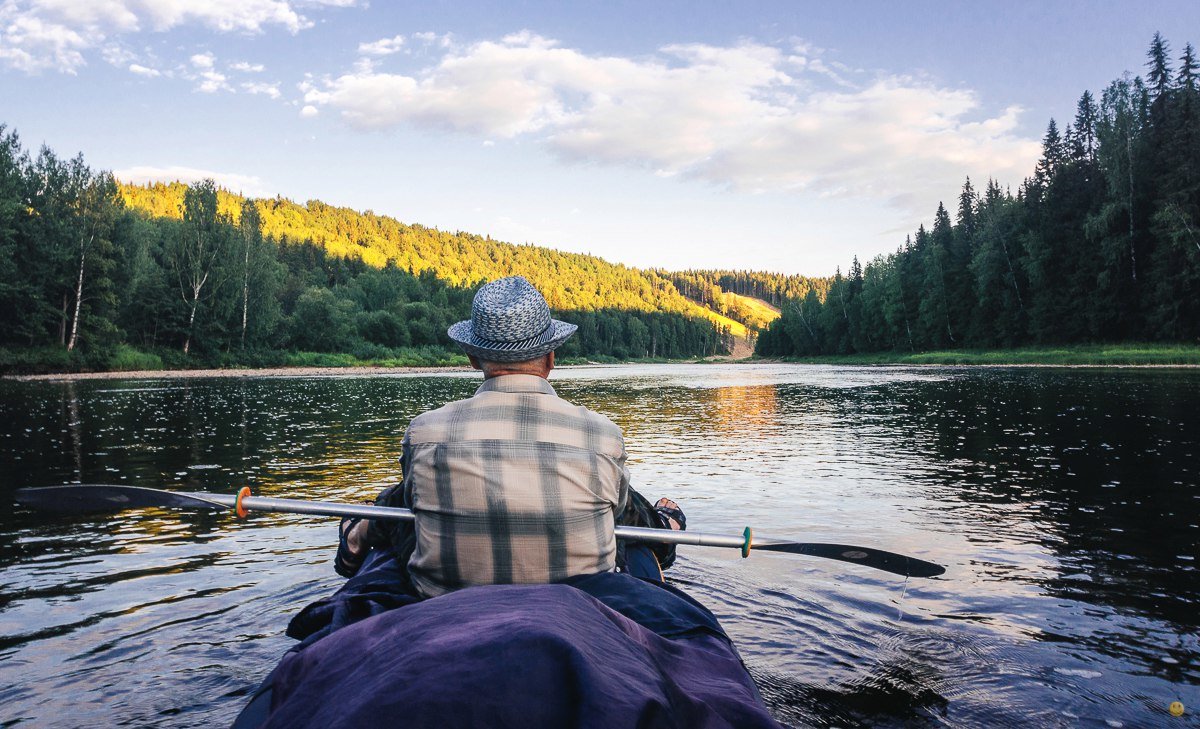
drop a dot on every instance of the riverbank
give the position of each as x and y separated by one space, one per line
1096 355
356 371
352 370
306 364
126 361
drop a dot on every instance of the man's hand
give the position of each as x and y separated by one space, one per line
670 514
352 546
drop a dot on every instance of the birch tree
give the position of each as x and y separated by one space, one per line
96 201
196 251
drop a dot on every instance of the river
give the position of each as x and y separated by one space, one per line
1065 504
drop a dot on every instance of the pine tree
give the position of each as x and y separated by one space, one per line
19 297
1186 78
1053 155
1158 66
1082 140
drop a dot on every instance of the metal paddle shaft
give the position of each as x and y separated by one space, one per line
82 498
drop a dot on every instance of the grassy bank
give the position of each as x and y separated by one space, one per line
55 360
128 359
1092 354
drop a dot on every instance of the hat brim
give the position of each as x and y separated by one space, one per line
532 348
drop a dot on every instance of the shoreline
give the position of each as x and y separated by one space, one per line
236 372
367 370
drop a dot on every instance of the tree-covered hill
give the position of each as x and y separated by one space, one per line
569 281
1100 244
95 274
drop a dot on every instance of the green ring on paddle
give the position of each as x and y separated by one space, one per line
749 534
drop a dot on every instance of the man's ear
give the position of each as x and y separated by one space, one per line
549 361
474 361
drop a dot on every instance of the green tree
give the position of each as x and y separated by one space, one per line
195 251
18 296
322 322
97 205
1158 66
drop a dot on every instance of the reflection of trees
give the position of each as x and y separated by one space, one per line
1102 462
326 438
72 425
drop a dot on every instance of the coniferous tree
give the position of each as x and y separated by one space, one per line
18 296
1158 67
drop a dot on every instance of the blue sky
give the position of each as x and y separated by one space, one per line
783 136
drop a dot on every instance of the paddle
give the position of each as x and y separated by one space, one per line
102 497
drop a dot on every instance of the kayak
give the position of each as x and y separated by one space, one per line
603 650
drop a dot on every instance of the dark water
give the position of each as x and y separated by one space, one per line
1065 503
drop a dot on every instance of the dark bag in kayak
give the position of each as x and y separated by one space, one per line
606 650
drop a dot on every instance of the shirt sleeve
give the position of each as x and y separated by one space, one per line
405 460
624 487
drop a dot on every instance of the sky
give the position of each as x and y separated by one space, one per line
781 136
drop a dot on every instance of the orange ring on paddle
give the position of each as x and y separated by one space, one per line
241 510
749 534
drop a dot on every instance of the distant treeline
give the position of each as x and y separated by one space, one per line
1102 243
94 275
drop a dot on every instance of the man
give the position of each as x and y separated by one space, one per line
513 485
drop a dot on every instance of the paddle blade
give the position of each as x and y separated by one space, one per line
82 498
897 564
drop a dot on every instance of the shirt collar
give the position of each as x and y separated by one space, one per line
517 383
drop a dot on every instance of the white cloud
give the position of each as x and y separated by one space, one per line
116 55
210 82
309 111
203 60
245 67
38 35
30 44
752 117
271 90
204 73
382 47
428 38
245 184
143 70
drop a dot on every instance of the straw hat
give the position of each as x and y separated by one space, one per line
510 322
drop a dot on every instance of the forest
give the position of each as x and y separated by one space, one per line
1100 244
96 274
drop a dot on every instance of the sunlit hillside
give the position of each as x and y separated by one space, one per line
756 313
570 281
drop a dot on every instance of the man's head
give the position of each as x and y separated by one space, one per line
510 329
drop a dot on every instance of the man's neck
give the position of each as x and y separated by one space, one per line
501 373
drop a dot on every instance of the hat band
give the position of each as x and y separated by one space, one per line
513 346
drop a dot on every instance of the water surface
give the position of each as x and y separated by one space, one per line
1064 502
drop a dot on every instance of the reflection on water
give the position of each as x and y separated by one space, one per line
1065 503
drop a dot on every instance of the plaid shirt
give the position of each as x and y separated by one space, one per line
513 485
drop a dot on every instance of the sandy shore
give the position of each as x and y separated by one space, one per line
266 372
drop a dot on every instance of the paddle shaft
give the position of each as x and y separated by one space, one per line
108 497
368 511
